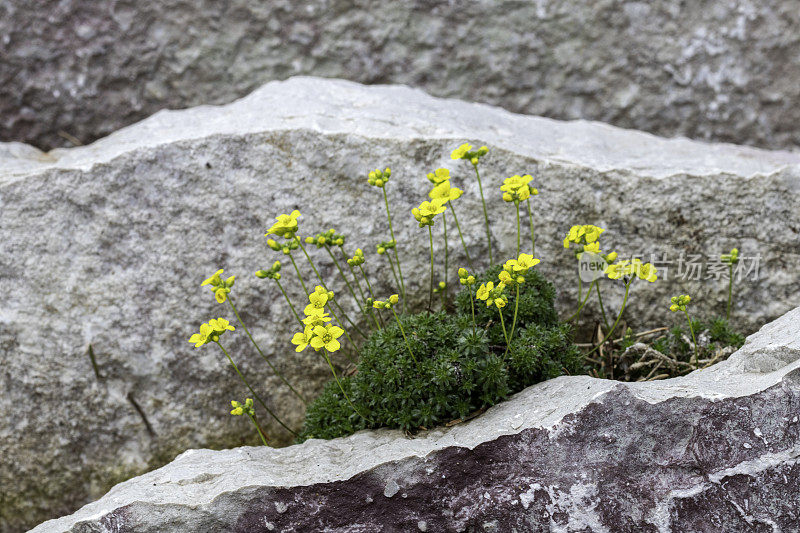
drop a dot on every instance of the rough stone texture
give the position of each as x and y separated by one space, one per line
726 71
105 245
718 450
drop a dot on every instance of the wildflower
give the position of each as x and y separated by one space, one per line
731 258
220 325
241 409
357 259
379 178
388 304
205 335
679 302
441 286
516 189
439 175
273 273
213 280
302 339
220 287
492 295
444 191
426 211
586 234
317 302
465 278
645 271
325 337
465 152
330 238
620 269
286 225
315 320
385 245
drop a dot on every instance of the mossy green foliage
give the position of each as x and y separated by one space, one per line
458 370
719 331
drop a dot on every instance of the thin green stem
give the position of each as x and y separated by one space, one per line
258 429
619 316
530 219
577 313
472 306
264 357
461 235
516 308
288 301
503 323
485 214
404 335
519 230
602 308
299 276
328 360
371 295
254 393
394 273
321 282
346 281
691 330
446 266
369 309
730 292
396 256
430 294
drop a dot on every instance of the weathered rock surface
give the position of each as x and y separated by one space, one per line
718 450
105 246
725 71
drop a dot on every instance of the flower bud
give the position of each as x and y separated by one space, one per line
261 274
462 272
276 266
273 245
394 298
474 160
388 172
309 240
276 276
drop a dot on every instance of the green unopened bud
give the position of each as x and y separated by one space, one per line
276 266
261 274
462 273
309 240
273 245
276 276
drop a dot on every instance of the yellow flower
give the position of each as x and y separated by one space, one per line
426 211
620 269
239 409
286 225
591 233
679 302
220 325
378 177
516 189
317 300
439 175
315 320
213 280
357 259
461 151
199 339
444 192
525 262
645 271
325 337
585 234
301 339
221 294
484 290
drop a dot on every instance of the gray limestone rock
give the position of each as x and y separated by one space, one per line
717 450
104 246
724 71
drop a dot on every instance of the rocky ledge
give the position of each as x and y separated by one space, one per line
103 248
713 451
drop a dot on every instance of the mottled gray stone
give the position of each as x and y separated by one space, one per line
717 450
725 71
105 245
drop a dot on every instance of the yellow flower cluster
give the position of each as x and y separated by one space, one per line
626 268
427 211
465 152
357 259
516 189
439 175
514 269
240 409
286 248
386 304
221 287
379 178
210 332
492 294
330 237
443 191
272 273
285 226
465 278
315 331
679 302
731 258
586 234
385 245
